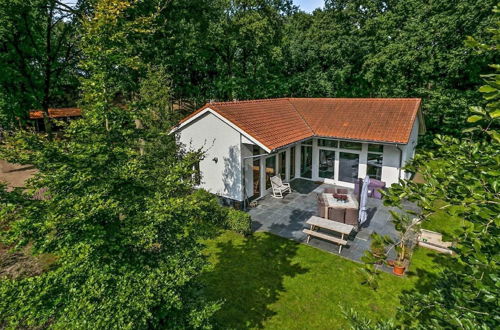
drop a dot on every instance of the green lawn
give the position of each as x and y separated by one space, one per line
267 281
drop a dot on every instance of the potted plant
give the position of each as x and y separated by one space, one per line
381 246
407 228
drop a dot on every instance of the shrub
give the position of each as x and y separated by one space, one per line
239 221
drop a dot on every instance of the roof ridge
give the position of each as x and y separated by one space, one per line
303 119
357 98
247 101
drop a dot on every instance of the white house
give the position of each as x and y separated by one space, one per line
331 140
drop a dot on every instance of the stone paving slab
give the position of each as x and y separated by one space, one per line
286 218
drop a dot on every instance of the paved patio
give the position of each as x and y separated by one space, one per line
286 218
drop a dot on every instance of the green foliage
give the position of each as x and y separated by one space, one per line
122 218
238 221
271 282
461 182
221 49
391 49
370 275
359 322
38 56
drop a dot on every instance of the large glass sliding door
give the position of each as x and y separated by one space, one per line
348 167
306 162
256 177
282 165
270 170
327 164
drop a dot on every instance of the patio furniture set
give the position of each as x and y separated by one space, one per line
339 212
338 209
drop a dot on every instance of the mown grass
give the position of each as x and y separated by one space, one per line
267 281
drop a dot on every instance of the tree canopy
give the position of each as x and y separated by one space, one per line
119 212
246 49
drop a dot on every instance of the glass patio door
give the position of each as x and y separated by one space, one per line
348 167
270 170
306 162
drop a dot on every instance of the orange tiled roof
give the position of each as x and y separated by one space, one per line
278 122
56 113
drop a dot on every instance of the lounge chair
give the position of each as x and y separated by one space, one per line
279 187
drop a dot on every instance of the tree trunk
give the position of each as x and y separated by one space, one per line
48 72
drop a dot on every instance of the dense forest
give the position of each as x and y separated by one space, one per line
117 229
247 49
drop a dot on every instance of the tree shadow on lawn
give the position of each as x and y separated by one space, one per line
248 277
427 268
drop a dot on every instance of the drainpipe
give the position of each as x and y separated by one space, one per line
400 161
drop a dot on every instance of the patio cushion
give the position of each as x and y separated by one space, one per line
329 190
351 217
342 191
336 214
322 209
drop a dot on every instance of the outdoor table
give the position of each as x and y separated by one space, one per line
331 201
341 228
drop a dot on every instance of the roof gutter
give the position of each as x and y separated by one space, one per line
336 138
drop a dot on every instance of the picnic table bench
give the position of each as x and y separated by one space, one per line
317 222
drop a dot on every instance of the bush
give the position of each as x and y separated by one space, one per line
239 221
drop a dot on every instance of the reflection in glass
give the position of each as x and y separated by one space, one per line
374 166
350 145
348 167
328 143
375 148
326 164
270 170
282 162
256 177
306 162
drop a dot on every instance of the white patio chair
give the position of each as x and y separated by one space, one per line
279 187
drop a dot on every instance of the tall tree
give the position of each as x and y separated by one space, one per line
223 49
120 214
38 56
377 48
462 186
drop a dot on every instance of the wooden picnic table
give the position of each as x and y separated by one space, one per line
341 228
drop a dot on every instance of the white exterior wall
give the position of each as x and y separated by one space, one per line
390 165
219 140
409 149
224 177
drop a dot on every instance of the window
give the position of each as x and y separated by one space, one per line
292 163
376 148
256 177
282 166
350 145
374 166
326 164
348 167
308 142
306 162
328 143
270 170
